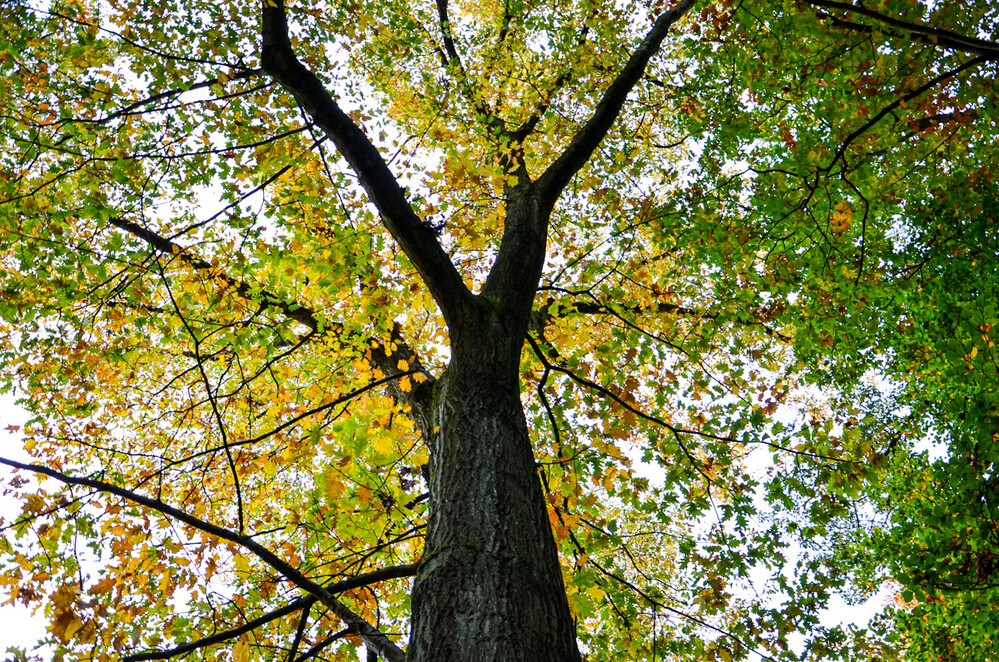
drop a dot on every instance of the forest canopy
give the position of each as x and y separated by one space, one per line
501 330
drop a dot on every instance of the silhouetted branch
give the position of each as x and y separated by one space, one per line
416 238
368 633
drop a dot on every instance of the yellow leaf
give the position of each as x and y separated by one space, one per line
241 651
65 625
405 384
382 444
74 626
242 564
403 365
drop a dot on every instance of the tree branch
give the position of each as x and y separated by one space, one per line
607 393
293 311
210 393
221 637
858 132
371 637
926 33
524 130
134 44
416 238
540 318
551 183
392 572
303 622
383 574
418 398
661 605
318 648
133 108
486 115
515 274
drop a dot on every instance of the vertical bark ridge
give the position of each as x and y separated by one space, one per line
490 586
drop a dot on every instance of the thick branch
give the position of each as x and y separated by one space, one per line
445 23
221 637
306 602
453 62
857 133
264 298
387 362
517 270
318 647
557 176
926 33
371 637
416 238
303 622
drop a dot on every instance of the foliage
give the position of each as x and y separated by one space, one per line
766 282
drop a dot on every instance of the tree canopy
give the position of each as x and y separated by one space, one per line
502 330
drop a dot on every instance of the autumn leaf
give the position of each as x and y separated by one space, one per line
328 315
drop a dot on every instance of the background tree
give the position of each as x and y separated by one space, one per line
241 244
873 213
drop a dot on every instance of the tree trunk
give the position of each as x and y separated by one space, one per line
490 586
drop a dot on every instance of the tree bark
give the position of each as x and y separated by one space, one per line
490 586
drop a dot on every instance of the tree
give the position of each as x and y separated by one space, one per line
942 538
361 324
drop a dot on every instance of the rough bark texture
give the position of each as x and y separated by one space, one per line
489 587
